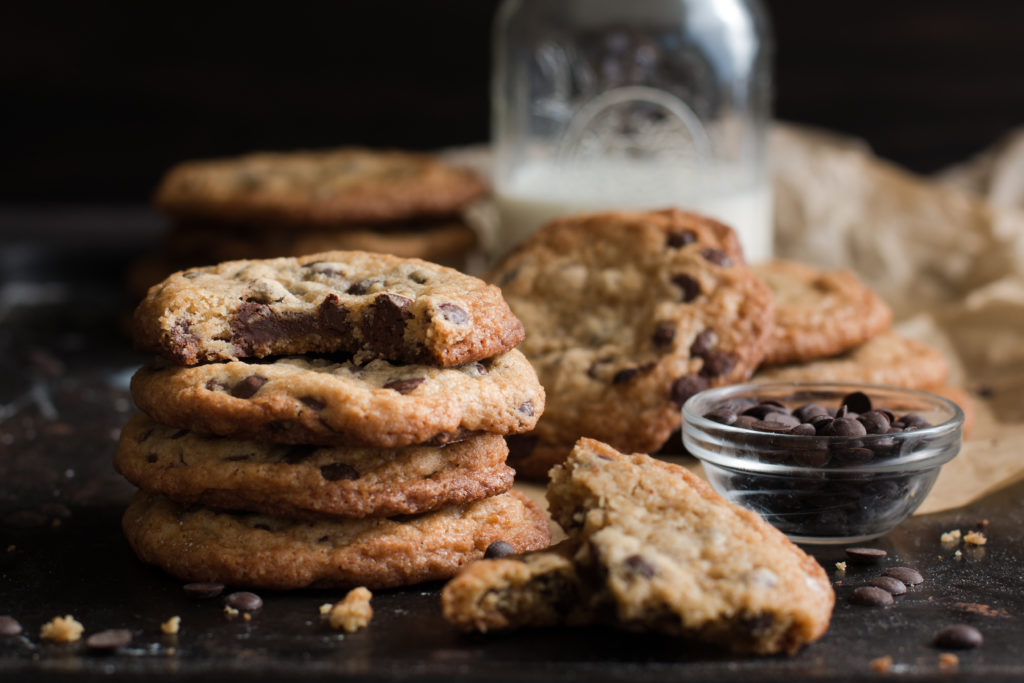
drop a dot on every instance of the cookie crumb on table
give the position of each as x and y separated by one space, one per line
171 626
952 536
975 538
840 566
881 664
230 612
62 630
948 660
353 612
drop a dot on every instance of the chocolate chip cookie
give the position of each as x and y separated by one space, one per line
317 188
819 313
889 358
303 481
197 543
627 315
656 548
340 401
376 305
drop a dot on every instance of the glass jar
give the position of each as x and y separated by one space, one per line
632 104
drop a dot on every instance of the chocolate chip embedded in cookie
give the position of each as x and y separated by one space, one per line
656 548
331 401
204 544
317 188
889 358
819 313
628 315
302 481
376 305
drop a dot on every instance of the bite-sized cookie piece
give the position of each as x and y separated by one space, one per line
338 401
819 313
658 549
376 305
317 188
309 481
889 358
197 543
630 313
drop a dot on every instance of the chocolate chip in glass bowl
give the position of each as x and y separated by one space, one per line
856 402
811 410
875 422
722 415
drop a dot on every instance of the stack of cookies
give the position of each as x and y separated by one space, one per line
330 420
265 205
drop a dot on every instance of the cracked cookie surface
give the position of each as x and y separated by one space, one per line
375 305
337 401
303 481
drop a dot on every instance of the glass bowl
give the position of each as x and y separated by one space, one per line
823 482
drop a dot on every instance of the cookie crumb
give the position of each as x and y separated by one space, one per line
246 616
958 554
948 660
171 626
881 665
975 538
325 609
62 630
230 612
352 613
840 566
952 536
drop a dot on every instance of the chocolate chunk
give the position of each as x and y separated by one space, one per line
454 314
361 287
909 576
865 555
339 471
627 374
108 640
184 343
248 386
333 315
721 415
718 364
405 386
244 600
314 403
875 422
299 452
215 385
856 402
520 446
872 596
805 412
9 626
526 408
383 326
664 334
686 386
716 256
681 239
703 343
499 549
844 426
887 583
256 326
770 426
639 565
803 429
959 637
322 268
690 286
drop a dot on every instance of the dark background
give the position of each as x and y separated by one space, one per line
100 98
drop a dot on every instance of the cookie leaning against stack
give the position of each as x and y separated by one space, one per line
269 204
371 455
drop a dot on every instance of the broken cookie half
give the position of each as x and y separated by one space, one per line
651 547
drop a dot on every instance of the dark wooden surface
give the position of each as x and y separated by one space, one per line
65 364
100 97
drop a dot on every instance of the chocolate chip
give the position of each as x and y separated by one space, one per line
639 565
178 434
721 415
856 402
383 325
745 421
215 385
9 626
843 426
810 410
323 268
716 256
959 637
664 334
627 374
526 408
703 343
454 314
109 640
499 549
770 426
717 364
299 452
763 410
803 429
419 278
314 403
887 583
759 624
909 576
361 287
853 456
865 555
872 596
404 386
333 315
686 386
690 286
817 457
151 458
681 239
244 600
875 422
339 471
248 386
912 421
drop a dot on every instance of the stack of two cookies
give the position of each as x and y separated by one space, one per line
332 420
